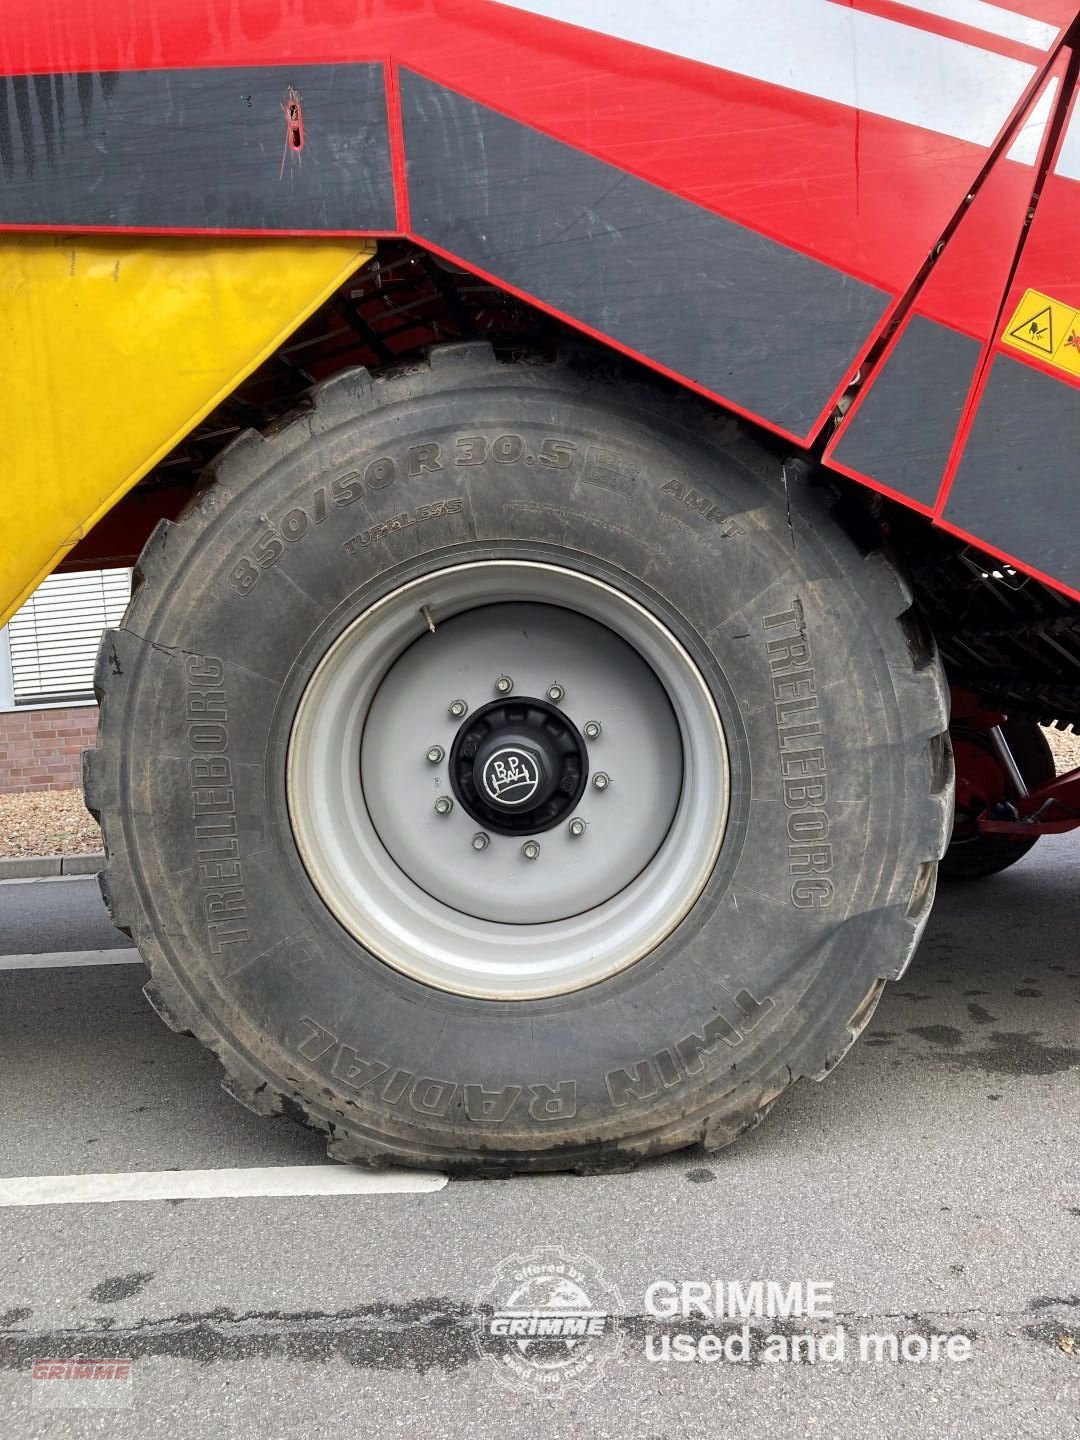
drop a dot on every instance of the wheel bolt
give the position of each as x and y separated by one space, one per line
531 849
555 693
480 841
457 708
443 805
504 685
435 754
576 827
601 780
592 729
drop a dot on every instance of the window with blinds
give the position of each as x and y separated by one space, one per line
54 637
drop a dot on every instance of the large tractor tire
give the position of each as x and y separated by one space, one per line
503 767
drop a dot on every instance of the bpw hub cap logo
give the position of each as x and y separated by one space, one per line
549 1322
511 776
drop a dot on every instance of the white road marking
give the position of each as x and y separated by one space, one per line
47 879
280 1180
61 959
823 49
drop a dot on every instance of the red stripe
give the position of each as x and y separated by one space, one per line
397 147
1021 565
367 233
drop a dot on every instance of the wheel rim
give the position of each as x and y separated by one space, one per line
542 839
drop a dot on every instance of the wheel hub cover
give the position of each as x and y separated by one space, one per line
518 766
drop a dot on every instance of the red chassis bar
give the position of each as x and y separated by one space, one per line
1050 808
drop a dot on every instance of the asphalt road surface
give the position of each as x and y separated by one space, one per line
934 1180
54 915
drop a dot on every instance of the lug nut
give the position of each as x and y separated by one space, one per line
457 708
592 729
555 693
576 827
443 805
480 841
504 685
531 849
601 780
435 754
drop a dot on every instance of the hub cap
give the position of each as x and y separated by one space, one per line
493 850
518 766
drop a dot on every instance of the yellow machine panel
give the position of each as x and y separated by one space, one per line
116 347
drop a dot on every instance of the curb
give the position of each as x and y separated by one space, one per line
32 867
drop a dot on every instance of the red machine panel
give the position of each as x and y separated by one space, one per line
743 196
901 430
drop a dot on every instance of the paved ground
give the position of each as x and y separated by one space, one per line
934 1179
54 914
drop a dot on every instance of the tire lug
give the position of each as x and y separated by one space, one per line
601 780
503 685
555 693
435 754
576 827
457 708
591 729
480 841
531 849
443 805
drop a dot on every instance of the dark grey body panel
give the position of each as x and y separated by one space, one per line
197 149
751 320
902 433
1018 482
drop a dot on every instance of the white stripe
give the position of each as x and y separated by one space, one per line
215 1184
48 879
62 959
822 49
991 18
1025 147
1068 161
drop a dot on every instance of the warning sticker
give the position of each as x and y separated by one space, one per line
1046 328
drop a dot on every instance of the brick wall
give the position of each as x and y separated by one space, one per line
42 749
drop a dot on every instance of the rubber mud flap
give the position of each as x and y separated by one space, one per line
840 784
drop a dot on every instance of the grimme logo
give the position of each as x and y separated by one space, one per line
548 1322
511 776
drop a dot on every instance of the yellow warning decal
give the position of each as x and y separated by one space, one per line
1046 328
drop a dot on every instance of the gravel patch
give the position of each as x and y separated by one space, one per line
47 822
1066 748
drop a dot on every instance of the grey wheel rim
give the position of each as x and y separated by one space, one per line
399 844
